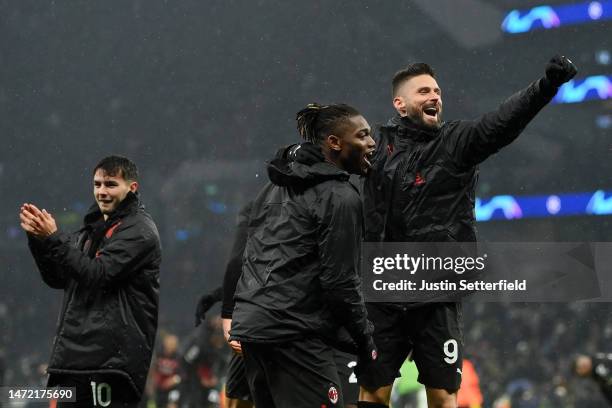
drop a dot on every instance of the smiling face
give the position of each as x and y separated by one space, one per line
110 190
420 99
353 145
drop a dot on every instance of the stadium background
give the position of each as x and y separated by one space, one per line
200 94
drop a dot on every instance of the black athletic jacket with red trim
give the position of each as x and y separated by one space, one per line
109 271
422 185
300 273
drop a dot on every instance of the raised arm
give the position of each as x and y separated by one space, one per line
471 142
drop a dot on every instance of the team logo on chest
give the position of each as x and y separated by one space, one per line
333 395
418 179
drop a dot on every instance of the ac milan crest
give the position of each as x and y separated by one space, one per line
419 180
333 395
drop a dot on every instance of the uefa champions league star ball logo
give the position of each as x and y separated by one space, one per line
333 395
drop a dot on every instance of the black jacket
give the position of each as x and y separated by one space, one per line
233 269
300 267
109 272
422 186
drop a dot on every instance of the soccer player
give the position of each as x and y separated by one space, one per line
422 188
109 272
300 281
237 388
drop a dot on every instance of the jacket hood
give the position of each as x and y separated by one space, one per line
408 128
285 173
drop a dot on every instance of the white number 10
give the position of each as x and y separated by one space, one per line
101 394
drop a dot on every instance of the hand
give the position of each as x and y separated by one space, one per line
306 153
559 70
204 304
236 347
227 325
39 223
234 344
368 351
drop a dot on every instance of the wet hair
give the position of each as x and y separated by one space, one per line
412 70
315 122
118 166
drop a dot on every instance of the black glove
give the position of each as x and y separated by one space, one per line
205 303
559 70
366 353
306 153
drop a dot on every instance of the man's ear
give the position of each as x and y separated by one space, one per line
399 105
334 143
133 186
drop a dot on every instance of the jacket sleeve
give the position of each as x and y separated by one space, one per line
131 247
374 190
233 269
50 272
340 230
471 142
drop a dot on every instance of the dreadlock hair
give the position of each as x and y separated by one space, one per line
315 122
118 166
412 70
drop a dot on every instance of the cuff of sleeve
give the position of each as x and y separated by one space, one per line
55 242
55 238
227 311
47 242
547 89
34 240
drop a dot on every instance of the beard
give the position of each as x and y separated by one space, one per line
353 163
416 116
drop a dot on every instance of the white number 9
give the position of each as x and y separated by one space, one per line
452 353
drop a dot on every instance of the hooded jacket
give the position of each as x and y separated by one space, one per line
422 185
301 261
109 271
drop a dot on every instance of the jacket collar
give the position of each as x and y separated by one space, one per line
407 128
130 204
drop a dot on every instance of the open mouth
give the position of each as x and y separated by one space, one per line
368 158
431 111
